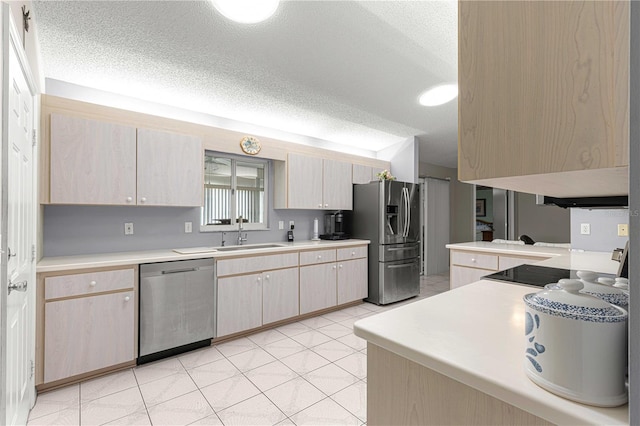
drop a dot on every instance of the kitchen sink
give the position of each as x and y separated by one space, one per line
249 247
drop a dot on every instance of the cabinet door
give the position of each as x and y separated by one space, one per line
569 112
461 275
239 304
92 162
88 333
352 280
317 287
279 295
170 169
337 193
362 174
304 182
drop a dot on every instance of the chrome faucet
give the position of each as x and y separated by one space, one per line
241 239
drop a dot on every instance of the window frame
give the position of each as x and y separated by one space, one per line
234 226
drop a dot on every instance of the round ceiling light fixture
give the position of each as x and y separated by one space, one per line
246 11
439 95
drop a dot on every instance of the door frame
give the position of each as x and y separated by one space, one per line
10 36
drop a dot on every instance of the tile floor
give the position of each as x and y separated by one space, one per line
306 373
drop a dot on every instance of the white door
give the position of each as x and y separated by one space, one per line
19 184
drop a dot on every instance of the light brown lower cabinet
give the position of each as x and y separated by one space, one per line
280 295
239 303
352 280
402 392
317 287
84 331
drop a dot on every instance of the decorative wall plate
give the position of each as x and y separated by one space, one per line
250 145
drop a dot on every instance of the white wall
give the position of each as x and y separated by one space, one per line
461 202
604 229
404 160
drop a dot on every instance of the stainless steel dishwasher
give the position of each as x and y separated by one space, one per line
177 307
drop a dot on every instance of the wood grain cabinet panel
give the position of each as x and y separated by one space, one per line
304 182
86 284
92 162
88 333
362 174
280 296
506 262
462 275
170 169
352 282
544 96
239 304
313 257
337 192
313 183
317 287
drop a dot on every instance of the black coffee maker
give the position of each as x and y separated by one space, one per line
336 226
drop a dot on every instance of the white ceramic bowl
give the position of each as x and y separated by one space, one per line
576 345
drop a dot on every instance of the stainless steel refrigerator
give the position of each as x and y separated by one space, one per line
387 213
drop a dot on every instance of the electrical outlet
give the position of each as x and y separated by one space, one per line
291 224
128 228
623 230
281 224
585 229
188 227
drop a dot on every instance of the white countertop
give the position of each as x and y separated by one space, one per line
475 334
67 263
512 249
558 257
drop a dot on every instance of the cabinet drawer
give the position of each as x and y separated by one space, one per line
247 265
317 256
475 260
89 283
352 253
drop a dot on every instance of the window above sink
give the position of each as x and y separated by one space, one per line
234 186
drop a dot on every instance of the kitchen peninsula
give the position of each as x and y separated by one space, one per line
457 358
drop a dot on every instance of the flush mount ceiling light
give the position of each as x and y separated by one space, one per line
439 95
246 11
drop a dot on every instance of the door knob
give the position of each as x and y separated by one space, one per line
143 199
127 298
129 199
21 286
92 283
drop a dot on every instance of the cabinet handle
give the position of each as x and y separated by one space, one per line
267 277
143 199
92 283
259 279
320 205
319 256
326 205
473 259
334 266
129 199
353 253
340 266
127 298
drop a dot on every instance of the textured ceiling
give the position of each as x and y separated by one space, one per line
348 72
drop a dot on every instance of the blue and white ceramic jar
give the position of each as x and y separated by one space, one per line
576 345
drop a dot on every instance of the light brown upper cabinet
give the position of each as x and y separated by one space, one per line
305 182
170 169
365 174
103 163
544 96
92 162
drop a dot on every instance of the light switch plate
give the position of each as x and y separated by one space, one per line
188 227
623 230
585 229
281 224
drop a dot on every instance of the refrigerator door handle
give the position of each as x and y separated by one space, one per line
407 213
404 265
401 248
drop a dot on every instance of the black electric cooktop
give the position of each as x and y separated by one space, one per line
537 276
